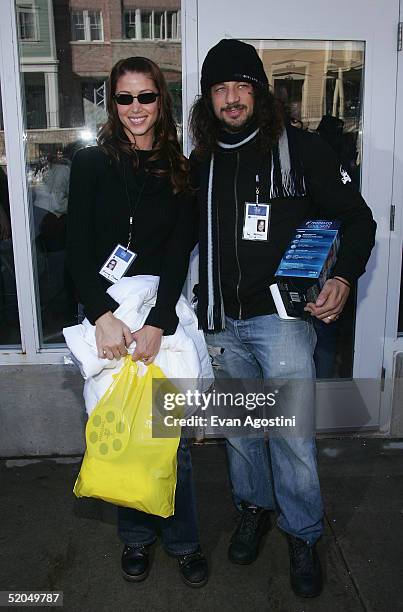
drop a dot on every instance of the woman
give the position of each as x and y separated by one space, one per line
133 190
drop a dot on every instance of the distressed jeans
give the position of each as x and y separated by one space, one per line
280 473
179 532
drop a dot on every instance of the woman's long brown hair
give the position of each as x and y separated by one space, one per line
205 127
112 137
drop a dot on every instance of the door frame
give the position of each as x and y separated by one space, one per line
393 342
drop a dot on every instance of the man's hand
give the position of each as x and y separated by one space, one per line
148 343
112 336
331 300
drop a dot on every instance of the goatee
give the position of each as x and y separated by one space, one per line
232 129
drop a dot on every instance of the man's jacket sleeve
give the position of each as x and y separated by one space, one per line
335 197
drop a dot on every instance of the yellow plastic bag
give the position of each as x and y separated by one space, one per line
123 464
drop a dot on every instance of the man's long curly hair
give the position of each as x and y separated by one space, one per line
113 140
205 127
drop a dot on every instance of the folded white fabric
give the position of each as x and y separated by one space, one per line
135 301
183 355
140 289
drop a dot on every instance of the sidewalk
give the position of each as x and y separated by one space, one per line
51 541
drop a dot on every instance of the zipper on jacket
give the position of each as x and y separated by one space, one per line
236 235
219 262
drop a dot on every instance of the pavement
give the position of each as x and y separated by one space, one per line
49 540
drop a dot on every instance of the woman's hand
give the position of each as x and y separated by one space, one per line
331 300
148 343
112 336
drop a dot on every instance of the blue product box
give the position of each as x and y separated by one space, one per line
305 267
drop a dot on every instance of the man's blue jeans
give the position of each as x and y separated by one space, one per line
179 532
283 472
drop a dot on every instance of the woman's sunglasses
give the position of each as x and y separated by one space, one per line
144 98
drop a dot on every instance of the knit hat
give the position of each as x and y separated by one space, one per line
232 60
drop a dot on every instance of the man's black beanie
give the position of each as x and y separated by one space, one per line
232 60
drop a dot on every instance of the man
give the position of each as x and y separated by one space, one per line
245 153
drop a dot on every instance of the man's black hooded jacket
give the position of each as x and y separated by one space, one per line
247 268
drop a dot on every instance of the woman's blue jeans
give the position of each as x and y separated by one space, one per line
280 473
179 532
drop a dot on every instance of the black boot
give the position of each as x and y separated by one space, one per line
193 569
253 524
305 570
135 563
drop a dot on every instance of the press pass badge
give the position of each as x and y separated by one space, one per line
117 263
256 218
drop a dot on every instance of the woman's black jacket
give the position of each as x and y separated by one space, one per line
103 195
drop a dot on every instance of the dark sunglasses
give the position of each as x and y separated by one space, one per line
144 98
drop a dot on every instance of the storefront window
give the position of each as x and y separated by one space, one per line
63 75
9 321
321 86
400 320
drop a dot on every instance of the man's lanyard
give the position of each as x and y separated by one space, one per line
256 224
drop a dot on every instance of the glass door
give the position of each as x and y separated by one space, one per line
391 408
321 86
337 79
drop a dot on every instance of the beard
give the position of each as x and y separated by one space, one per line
235 128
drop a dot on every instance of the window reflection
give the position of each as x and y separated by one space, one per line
9 321
400 316
87 25
151 24
67 49
27 23
320 84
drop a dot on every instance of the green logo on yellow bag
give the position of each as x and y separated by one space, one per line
107 433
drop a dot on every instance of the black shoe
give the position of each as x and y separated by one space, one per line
193 569
305 570
135 563
245 541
